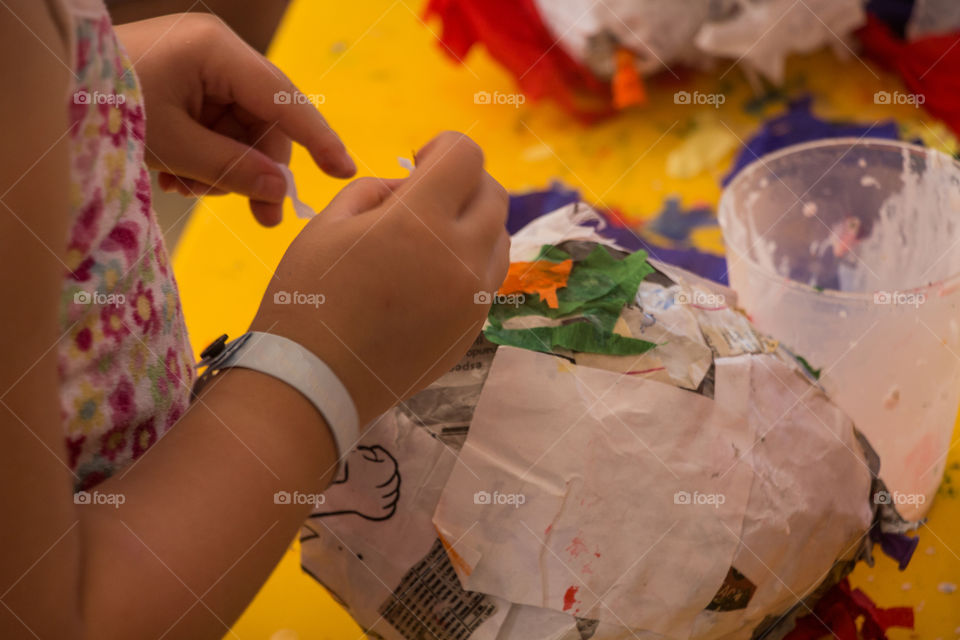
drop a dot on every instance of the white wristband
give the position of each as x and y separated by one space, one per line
295 365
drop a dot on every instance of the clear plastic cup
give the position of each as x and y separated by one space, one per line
848 252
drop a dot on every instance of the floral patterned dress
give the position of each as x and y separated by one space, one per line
125 361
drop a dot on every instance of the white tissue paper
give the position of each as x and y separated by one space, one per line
761 34
302 209
933 18
758 34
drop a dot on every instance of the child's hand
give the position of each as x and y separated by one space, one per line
382 284
214 121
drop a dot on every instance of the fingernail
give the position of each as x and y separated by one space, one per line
269 188
344 166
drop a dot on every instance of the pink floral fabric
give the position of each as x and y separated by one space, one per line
125 362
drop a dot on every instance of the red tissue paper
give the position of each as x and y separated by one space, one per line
929 66
515 35
837 612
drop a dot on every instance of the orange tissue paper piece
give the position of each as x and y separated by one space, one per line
627 85
542 277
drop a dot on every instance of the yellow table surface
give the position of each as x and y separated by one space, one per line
388 88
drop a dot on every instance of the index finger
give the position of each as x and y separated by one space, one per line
259 87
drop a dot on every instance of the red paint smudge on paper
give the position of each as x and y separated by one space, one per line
570 598
576 547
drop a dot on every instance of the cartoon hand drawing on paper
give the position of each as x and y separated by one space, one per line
369 487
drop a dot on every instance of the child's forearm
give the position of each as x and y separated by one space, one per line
199 530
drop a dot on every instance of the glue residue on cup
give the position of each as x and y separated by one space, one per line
851 257
919 210
869 241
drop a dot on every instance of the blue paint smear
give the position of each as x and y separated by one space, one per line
526 207
798 125
675 223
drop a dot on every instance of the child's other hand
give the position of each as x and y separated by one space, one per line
382 285
220 115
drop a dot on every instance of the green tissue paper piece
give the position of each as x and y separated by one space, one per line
578 336
552 253
597 290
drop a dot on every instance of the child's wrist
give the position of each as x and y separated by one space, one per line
279 412
296 366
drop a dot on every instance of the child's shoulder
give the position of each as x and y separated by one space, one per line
34 162
34 48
